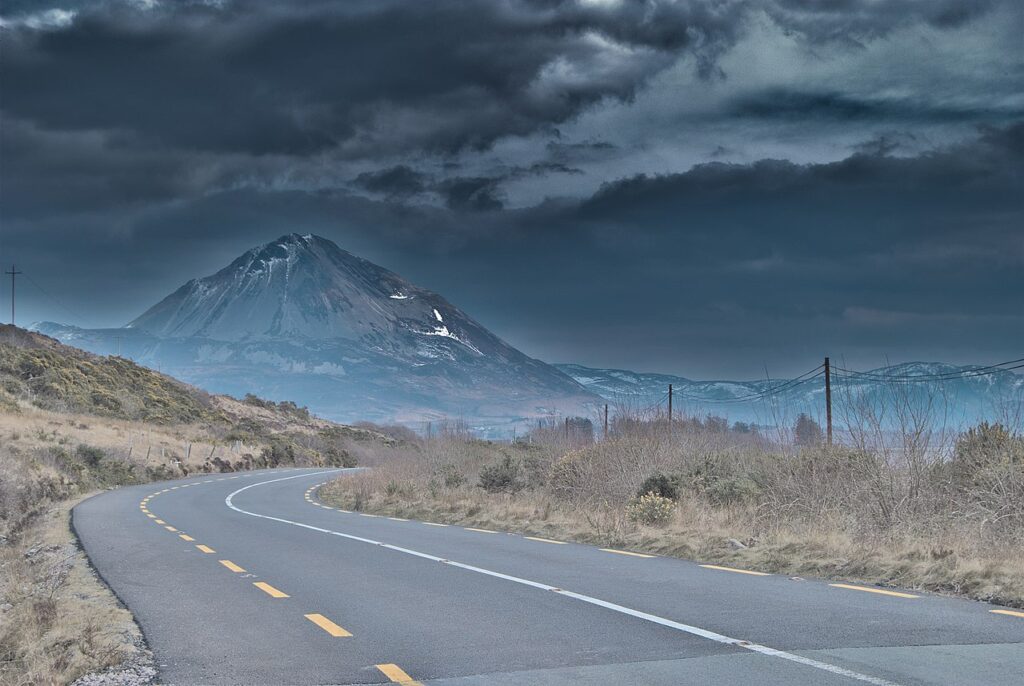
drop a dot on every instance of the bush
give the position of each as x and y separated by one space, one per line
651 509
504 476
733 491
568 474
450 476
90 455
660 485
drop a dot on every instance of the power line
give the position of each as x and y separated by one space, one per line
54 300
945 376
765 393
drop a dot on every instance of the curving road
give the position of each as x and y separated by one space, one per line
248 579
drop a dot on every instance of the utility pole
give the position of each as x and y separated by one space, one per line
670 408
14 272
606 421
828 401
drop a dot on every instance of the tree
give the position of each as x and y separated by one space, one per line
807 432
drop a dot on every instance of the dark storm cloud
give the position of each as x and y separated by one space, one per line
395 182
863 20
363 76
471 193
778 103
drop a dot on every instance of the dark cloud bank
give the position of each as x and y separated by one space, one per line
142 147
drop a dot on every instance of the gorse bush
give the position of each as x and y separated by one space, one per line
651 509
660 484
504 476
89 455
450 476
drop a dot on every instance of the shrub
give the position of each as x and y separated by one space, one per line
504 476
450 476
651 509
732 490
568 474
660 485
90 455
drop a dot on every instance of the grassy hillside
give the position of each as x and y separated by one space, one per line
72 423
49 375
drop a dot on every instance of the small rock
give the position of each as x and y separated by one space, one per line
736 545
5 607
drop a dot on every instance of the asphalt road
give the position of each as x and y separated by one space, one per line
248 579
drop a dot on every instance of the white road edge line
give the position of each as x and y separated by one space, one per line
686 628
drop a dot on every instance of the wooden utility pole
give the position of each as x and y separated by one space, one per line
828 401
13 272
670 408
606 421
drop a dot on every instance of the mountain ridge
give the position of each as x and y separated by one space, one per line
300 318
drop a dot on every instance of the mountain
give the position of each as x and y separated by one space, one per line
955 395
301 319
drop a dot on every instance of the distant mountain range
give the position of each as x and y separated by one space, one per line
955 395
301 319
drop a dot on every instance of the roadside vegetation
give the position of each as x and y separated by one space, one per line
72 424
901 502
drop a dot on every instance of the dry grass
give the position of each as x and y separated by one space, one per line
948 522
59 621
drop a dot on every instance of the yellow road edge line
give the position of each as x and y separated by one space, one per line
874 590
345 511
186 537
397 519
544 540
733 569
397 675
327 625
625 552
433 524
482 531
232 566
363 514
205 548
269 590
1007 612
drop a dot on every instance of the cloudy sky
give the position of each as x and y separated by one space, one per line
709 188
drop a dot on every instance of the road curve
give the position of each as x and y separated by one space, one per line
248 579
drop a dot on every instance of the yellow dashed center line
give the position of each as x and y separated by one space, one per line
363 514
269 590
482 531
160 521
205 548
151 516
738 571
874 590
624 552
397 519
397 675
186 537
232 566
171 528
433 524
1011 613
328 626
543 540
